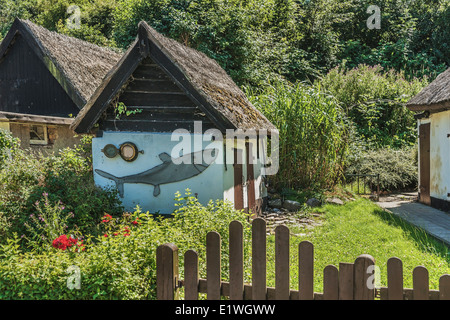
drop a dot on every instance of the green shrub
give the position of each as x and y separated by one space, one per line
65 177
397 168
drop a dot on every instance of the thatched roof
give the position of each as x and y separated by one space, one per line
435 97
79 66
209 86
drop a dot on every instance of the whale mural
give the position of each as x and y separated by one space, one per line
171 170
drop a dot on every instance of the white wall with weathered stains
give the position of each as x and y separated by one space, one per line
439 154
216 182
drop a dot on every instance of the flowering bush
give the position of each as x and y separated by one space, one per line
122 227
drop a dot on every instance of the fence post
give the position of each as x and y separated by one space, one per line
444 287
191 279
395 278
236 260
306 270
167 272
330 283
363 272
259 257
213 257
420 283
346 281
282 290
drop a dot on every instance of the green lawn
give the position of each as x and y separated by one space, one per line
360 227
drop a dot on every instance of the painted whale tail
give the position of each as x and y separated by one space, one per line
117 180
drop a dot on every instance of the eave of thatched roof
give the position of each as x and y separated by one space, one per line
435 97
78 66
20 117
203 80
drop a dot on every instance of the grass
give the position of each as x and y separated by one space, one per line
360 227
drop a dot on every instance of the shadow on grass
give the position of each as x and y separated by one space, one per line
424 241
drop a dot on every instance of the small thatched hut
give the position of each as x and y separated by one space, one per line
160 86
434 141
45 79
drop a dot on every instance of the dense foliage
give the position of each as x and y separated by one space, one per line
253 40
374 100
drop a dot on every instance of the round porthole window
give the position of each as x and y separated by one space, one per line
128 151
110 150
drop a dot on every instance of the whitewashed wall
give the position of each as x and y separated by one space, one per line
208 184
439 154
216 182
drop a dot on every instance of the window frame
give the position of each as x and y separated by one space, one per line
39 142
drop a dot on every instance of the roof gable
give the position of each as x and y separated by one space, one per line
154 102
27 87
77 65
200 77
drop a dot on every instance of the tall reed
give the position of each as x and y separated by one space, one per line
313 133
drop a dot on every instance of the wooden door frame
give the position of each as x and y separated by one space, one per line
424 163
251 198
238 186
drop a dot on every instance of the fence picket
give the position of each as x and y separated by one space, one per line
236 260
330 283
444 287
167 272
213 257
345 281
362 288
191 280
395 278
420 283
306 270
259 249
282 289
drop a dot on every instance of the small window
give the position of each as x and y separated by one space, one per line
38 134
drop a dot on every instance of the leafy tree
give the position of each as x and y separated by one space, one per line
374 99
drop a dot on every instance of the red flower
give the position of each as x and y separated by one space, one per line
63 242
135 222
105 235
107 218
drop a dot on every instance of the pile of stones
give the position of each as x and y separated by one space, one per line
286 212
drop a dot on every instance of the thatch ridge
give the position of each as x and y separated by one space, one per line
83 64
435 95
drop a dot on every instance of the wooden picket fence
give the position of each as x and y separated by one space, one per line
348 282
